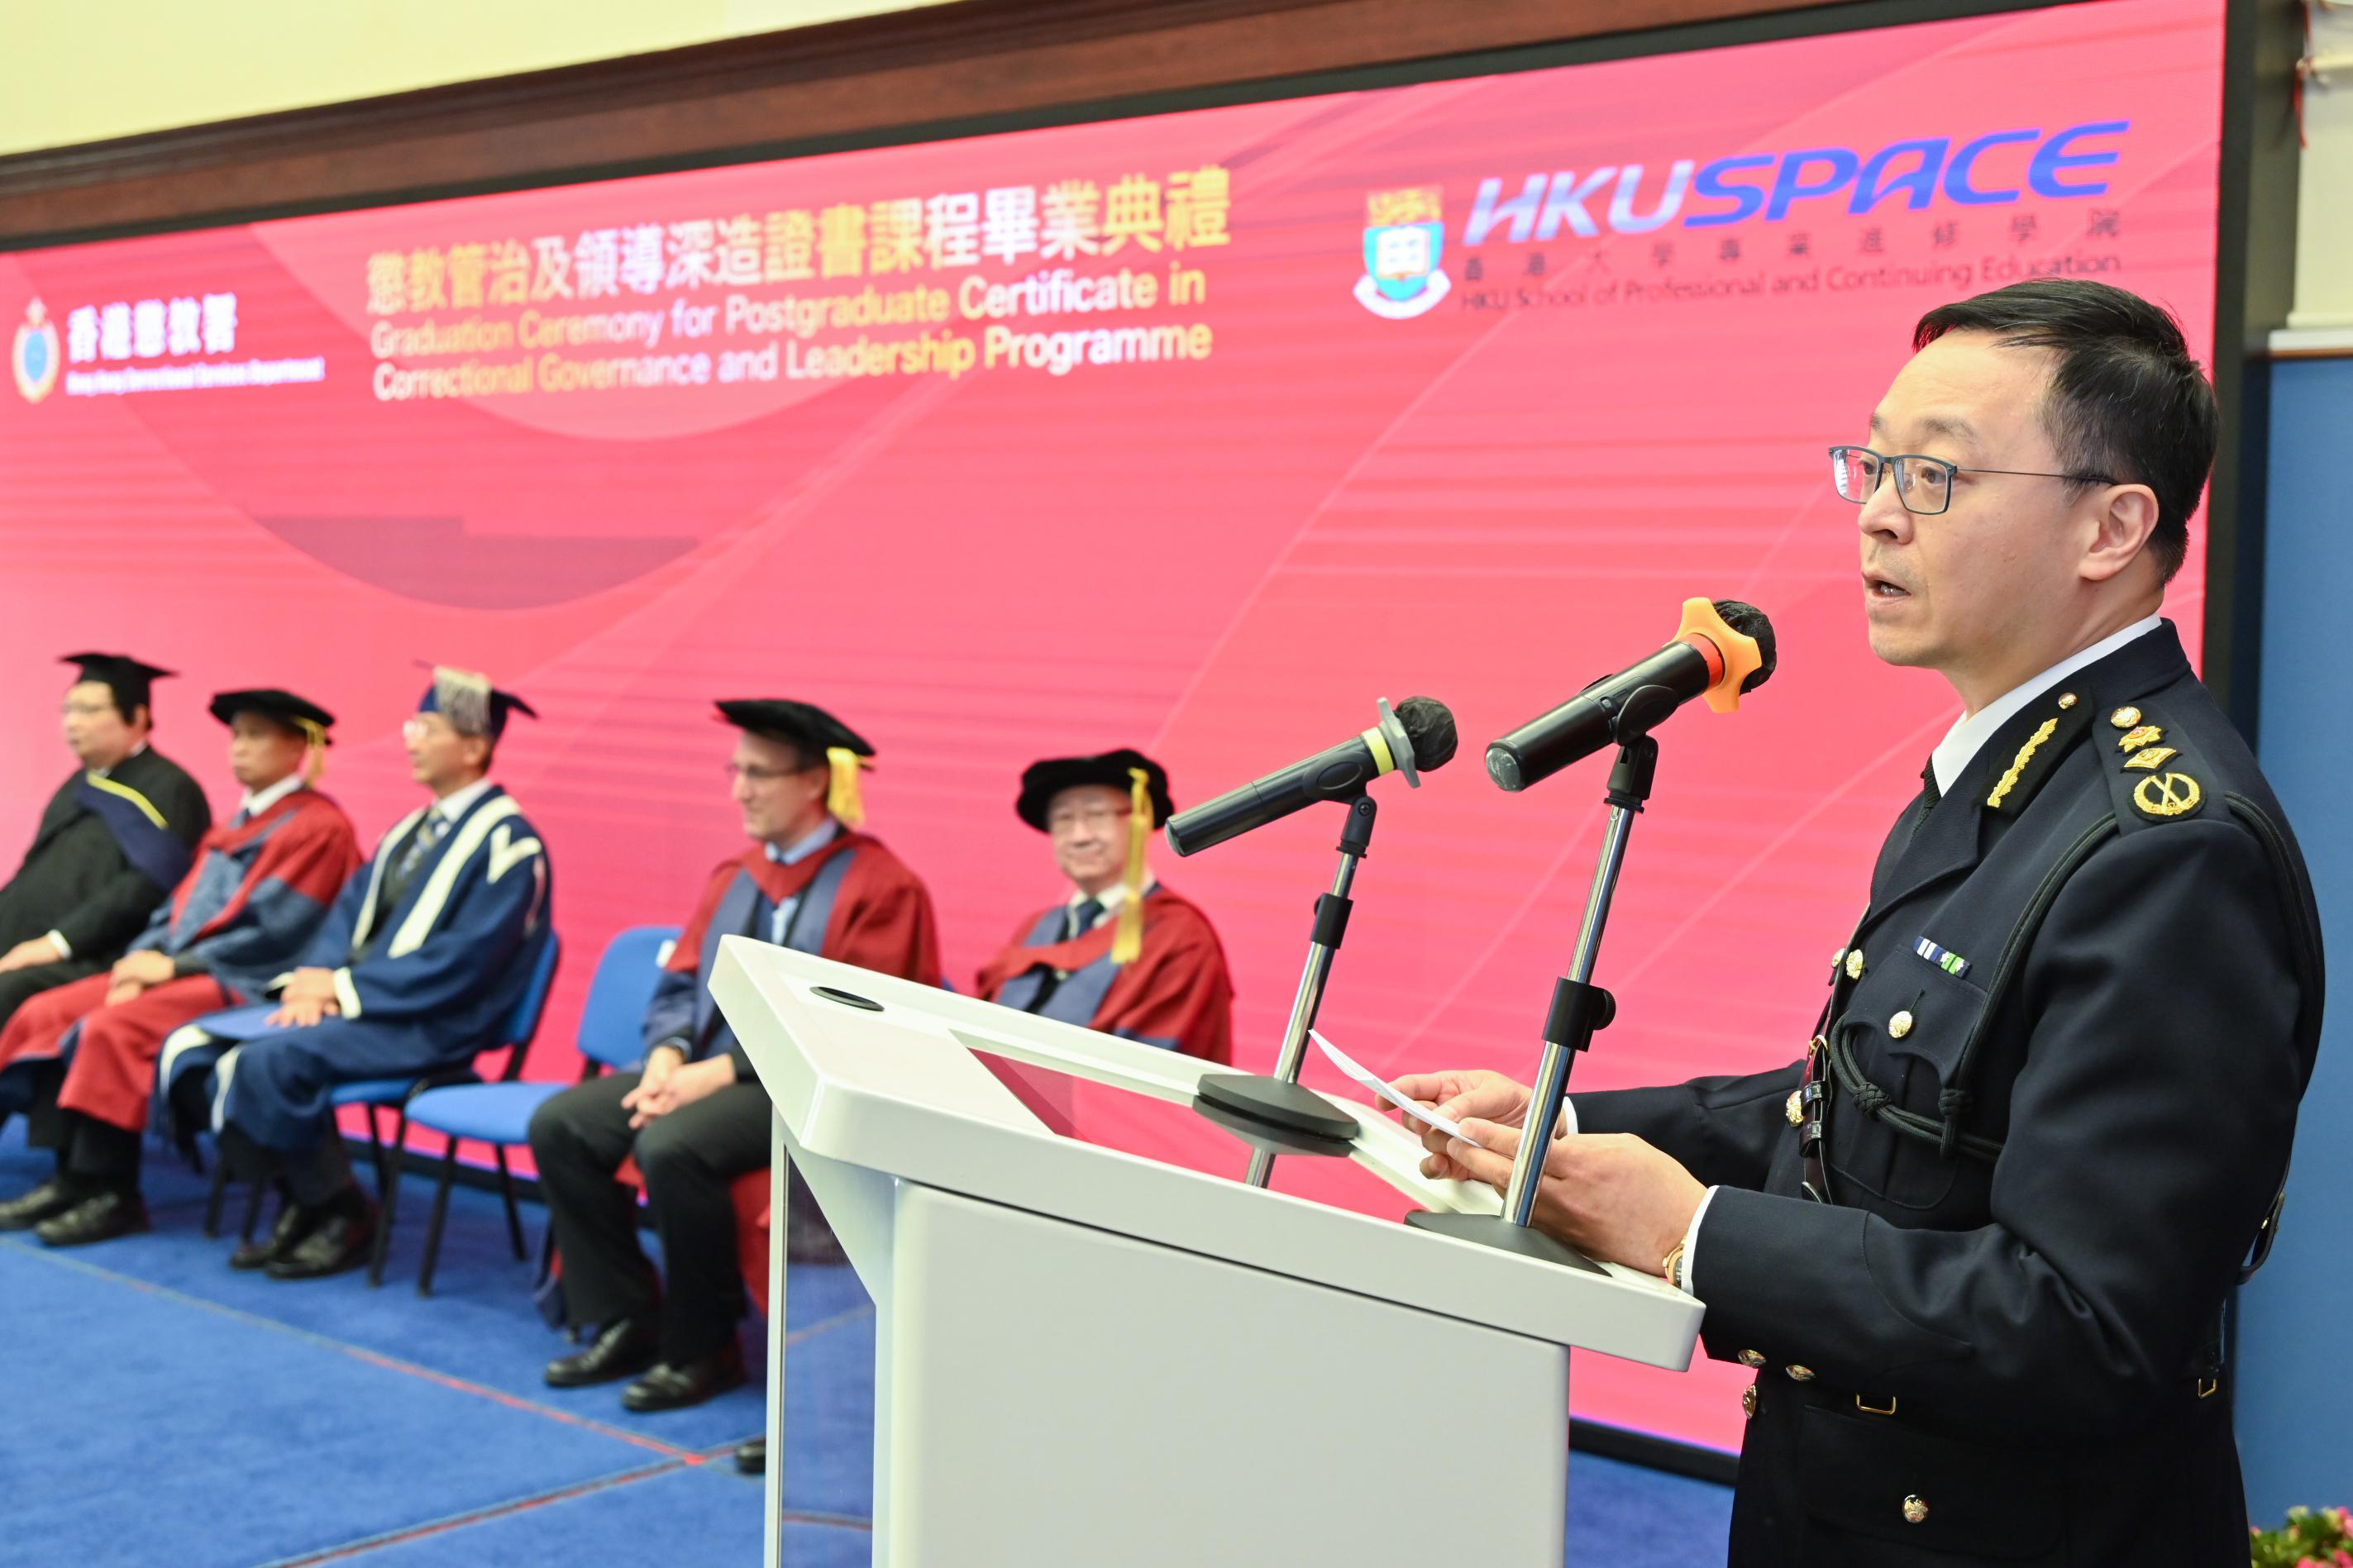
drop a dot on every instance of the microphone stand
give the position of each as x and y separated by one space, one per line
1579 1008
1275 1113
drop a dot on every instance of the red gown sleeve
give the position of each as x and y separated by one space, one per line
1177 989
882 919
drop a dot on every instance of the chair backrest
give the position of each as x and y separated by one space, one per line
612 1021
515 1031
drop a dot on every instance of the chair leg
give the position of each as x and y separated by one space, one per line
506 1191
440 1212
219 1196
376 1154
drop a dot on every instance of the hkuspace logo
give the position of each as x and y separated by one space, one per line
1404 237
1403 230
34 355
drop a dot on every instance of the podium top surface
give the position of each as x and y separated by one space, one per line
959 1094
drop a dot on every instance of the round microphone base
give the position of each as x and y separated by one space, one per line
1494 1230
1281 1106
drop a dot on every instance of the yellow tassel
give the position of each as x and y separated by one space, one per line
841 796
1128 941
315 765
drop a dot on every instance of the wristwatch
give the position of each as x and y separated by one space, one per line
1672 1265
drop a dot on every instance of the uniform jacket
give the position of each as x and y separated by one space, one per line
2088 982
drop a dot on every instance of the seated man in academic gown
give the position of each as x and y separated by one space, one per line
426 950
245 912
697 1117
115 838
1120 954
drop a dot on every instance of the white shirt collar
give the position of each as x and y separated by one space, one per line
1111 898
1970 732
254 805
806 845
458 801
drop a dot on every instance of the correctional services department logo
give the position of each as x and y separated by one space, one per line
1404 236
35 355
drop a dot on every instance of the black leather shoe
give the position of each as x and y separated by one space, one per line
294 1223
623 1350
669 1387
339 1241
100 1217
48 1201
752 1458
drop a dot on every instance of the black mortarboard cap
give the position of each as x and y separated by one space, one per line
818 735
131 681
802 725
1043 780
297 713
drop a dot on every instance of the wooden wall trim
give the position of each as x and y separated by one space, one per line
868 78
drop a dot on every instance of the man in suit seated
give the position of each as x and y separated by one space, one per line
696 1117
259 889
1120 954
429 947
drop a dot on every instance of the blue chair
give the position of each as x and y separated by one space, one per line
500 1113
514 1034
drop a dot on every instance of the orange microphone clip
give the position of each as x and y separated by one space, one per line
1731 657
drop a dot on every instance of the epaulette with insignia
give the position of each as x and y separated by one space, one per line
2147 774
2065 714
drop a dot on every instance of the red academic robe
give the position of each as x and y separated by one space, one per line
1176 993
881 917
306 850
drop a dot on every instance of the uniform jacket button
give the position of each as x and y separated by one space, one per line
1749 1402
1800 1373
1752 1358
1854 964
1899 1025
1915 1510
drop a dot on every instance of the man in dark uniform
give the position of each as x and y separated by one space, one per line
696 1117
1976 1244
115 838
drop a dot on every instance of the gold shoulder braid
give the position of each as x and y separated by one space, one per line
2018 763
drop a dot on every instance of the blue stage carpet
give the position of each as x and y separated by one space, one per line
164 1409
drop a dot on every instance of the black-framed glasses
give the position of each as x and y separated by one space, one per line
1923 484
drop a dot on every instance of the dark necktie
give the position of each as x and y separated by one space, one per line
1083 918
412 855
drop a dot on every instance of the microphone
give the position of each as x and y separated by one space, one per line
1721 650
1416 736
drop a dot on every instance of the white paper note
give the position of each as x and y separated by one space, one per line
1383 1090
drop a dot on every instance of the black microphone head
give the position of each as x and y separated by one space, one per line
1751 622
1430 725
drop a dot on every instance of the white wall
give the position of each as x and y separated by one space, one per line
2324 244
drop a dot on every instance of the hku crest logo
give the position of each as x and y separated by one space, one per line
35 355
1404 238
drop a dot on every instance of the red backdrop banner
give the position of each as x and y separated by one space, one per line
1194 432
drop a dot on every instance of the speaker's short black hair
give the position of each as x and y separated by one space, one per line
2126 398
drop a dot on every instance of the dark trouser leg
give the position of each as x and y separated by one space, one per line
99 1154
320 1173
579 1139
689 1158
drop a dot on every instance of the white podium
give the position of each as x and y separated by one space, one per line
1091 1358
